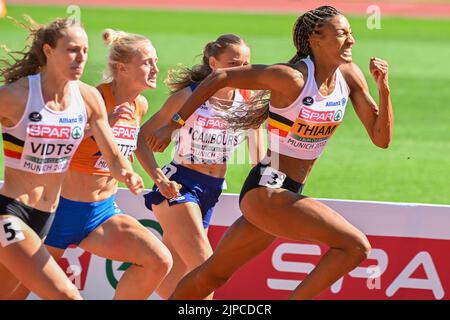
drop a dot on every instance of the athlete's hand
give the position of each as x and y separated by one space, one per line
133 181
158 140
169 189
379 70
122 111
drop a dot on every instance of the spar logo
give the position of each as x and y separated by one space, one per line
416 269
115 269
316 116
211 123
75 263
402 268
338 115
124 132
49 132
77 132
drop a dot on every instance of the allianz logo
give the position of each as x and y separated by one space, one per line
68 120
333 103
336 103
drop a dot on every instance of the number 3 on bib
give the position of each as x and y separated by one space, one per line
272 178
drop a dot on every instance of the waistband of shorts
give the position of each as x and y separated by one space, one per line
80 204
288 183
198 177
6 199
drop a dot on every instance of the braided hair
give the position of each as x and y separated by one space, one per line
306 25
258 107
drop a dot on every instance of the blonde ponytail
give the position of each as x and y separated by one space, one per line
123 47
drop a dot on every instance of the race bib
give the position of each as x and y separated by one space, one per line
10 232
272 178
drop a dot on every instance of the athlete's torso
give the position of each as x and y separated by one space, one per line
42 141
88 167
298 133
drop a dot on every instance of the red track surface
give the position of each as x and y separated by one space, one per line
393 7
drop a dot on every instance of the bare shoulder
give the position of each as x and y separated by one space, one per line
15 92
92 98
13 99
284 79
89 93
297 71
353 75
143 104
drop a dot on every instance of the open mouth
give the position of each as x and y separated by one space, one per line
348 52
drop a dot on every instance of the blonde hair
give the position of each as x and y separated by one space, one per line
32 58
123 47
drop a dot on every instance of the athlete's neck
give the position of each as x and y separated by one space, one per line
55 90
123 93
324 74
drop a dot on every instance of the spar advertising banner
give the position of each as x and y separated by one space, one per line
409 260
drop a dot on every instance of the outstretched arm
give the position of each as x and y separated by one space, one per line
378 120
281 80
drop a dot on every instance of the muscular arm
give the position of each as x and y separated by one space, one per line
378 120
284 82
13 100
143 152
281 80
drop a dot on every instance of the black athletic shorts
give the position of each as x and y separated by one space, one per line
265 176
39 221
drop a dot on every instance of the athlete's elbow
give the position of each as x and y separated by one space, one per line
383 144
381 138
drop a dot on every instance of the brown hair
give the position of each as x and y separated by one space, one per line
32 58
123 48
182 77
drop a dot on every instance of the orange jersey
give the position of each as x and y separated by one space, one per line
88 158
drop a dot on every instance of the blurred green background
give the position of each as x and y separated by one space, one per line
416 167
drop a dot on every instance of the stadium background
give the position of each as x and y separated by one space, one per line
416 166
414 38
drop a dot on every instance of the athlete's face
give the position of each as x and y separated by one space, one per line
69 56
235 55
334 41
142 69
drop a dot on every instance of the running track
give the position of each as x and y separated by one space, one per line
392 7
